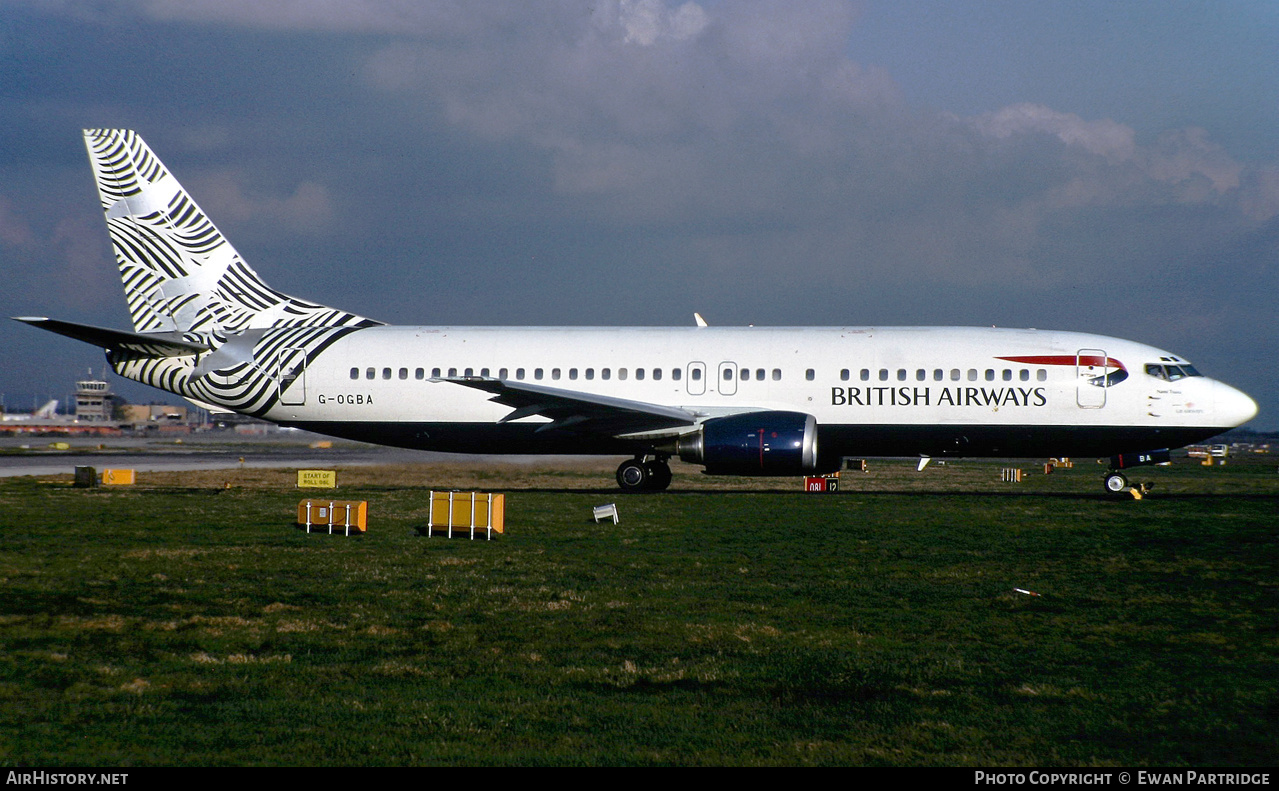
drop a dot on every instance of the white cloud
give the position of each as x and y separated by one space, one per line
1103 137
648 22
224 196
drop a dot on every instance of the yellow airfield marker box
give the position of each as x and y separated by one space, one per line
118 477
466 512
346 515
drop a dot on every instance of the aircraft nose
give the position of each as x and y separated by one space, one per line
1234 407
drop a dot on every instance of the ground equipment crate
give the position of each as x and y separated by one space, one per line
466 512
345 515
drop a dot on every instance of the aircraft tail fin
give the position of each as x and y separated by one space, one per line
180 274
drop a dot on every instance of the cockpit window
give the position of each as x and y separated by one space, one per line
1171 373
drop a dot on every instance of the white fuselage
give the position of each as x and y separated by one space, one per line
857 378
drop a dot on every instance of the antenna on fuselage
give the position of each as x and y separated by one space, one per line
701 322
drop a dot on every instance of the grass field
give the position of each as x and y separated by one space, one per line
181 622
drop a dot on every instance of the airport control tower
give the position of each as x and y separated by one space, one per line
93 401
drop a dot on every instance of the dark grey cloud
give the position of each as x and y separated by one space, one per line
624 162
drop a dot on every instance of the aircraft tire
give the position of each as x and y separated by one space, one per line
659 475
634 476
1115 482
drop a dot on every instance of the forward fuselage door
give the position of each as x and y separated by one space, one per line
727 378
1090 378
695 378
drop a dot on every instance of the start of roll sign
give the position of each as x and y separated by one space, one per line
317 479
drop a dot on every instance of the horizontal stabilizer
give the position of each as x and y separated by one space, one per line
151 344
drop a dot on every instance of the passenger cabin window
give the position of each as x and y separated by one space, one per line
728 374
572 373
1024 374
370 373
938 374
537 374
519 373
865 375
844 375
759 374
621 374
810 374
404 373
590 373
676 374
355 373
1008 375
954 374
435 373
657 374
901 374
419 373
1041 375
606 373
921 375
502 373
696 374
990 374
452 372
639 373
777 374
555 373
386 373
883 374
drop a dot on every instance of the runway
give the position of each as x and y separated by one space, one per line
209 451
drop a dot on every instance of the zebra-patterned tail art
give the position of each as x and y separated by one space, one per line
183 280
180 274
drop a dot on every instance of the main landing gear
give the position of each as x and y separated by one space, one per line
637 475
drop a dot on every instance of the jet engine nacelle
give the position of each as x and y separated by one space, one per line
754 443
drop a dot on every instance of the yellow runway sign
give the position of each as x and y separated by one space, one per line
317 479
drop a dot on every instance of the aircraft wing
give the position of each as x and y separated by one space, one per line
575 410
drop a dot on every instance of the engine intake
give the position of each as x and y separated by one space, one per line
754 443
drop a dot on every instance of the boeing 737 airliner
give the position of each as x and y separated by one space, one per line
736 400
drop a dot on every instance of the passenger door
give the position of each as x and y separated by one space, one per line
1090 378
695 378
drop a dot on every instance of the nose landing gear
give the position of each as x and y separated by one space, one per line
638 475
1115 482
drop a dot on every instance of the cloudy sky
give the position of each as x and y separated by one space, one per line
1089 165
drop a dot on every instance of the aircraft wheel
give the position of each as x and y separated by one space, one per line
1115 482
659 473
633 476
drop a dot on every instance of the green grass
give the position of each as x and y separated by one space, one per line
179 622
